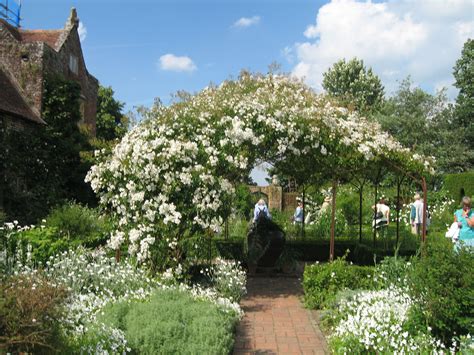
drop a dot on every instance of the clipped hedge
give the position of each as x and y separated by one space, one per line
457 183
315 250
172 322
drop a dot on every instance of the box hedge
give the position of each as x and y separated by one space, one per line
459 185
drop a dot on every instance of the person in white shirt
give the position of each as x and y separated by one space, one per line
416 215
261 209
381 219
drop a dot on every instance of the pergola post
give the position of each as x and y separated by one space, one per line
304 214
333 220
425 208
361 196
375 212
399 182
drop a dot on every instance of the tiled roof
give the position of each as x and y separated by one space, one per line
12 101
47 36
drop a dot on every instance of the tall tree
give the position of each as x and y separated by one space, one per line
464 75
111 122
425 124
354 85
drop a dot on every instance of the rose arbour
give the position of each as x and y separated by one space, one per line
172 175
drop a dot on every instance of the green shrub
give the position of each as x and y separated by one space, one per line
80 224
442 282
321 227
243 201
238 228
28 246
349 205
173 323
392 270
322 282
459 184
31 309
41 243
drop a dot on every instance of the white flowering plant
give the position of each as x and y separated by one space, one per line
95 280
379 322
175 172
228 278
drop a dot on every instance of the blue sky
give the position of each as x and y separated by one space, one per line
146 49
125 39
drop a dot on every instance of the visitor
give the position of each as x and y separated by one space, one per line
416 215
381 219
326 204
299 213
464 217
261 209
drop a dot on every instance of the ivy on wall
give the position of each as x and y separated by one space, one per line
42 165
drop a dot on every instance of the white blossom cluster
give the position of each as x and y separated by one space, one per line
228 278
14 256
175 170
374 321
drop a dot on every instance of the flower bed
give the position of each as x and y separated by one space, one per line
419 306
87 285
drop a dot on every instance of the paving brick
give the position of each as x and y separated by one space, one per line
275 320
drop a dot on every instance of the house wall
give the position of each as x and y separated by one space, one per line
28 63
58 62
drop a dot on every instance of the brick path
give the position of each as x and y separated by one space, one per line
275 320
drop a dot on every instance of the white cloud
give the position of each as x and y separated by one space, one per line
288 54
396 38
174 63
246 21
82 31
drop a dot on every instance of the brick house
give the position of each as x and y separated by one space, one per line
26 57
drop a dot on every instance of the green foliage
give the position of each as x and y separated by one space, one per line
464 75
349 204
243 201
354 85
42 166
411 111
459 185
75 222
43 242
66 227
392 270
238 227
111 122
321 228
173 323
31 309
322 281
443 285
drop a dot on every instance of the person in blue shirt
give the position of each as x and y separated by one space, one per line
261 208
298 216
465 220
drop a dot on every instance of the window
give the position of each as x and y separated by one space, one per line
73 64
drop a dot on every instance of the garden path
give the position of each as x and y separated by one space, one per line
275 320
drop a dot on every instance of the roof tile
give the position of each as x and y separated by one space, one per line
47 36
12 101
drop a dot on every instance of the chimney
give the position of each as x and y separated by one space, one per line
73 20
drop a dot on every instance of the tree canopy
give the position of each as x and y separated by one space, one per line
354 85
111 122
464 75
425 123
